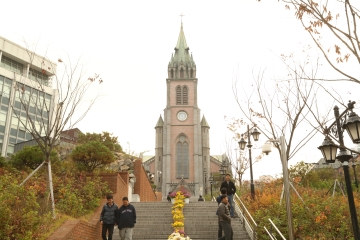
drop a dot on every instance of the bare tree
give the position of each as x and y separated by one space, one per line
238 159
45 116
333 27
281 106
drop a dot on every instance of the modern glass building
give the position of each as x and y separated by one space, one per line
21 96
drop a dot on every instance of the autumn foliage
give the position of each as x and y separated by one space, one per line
24 210
321 216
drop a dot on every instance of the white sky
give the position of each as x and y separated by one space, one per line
130 43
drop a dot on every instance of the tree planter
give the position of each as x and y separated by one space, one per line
187 200
172 200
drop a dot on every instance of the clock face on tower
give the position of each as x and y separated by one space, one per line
181 116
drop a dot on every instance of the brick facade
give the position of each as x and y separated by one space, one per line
142 185
81 230
118 184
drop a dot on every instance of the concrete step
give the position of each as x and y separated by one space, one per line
201 223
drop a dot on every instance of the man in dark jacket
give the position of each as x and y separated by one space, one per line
225 219
218 200
107 217
126 219
231 190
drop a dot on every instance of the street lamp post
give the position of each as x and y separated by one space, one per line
211 178
356 181
205 184
255 133
223 169
350 122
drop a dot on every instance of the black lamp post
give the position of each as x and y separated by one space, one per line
242 143
223 169
205 184
211 178
353 164
352 125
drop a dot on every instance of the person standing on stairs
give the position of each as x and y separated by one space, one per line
225 219
126 219
107 218
231 190
218 200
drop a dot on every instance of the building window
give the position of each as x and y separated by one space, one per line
38 76
178 95
185 95
11 65
182 95
182 158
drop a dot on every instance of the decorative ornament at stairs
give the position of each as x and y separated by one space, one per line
178 216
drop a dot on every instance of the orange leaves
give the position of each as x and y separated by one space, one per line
59 60
337 49
328 18
320 218
309 29
302 9
43 71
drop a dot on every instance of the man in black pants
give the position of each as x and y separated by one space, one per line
231 190
225 219
107 218
218 200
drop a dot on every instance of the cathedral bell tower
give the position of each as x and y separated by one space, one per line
182 153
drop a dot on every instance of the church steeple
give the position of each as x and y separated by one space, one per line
182 64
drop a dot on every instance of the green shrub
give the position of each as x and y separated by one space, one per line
18 210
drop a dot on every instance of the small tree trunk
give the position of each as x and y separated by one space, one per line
51 188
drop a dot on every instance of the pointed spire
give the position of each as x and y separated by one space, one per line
181 43
204 123
160 122
181 61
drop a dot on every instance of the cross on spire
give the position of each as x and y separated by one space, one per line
181 15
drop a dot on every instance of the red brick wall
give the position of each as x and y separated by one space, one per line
81 230
142 184
74 230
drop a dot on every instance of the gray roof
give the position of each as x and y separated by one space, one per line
204 123
182 55
160 122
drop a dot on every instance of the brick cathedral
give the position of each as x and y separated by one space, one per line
182 150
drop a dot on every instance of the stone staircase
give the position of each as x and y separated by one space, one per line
201 223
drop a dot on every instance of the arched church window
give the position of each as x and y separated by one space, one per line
182 158
185 95
191 73
178 95
172 73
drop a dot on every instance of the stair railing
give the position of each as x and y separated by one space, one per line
272 235
245 217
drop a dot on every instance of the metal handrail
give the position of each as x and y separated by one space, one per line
273 224
270 235
245 217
